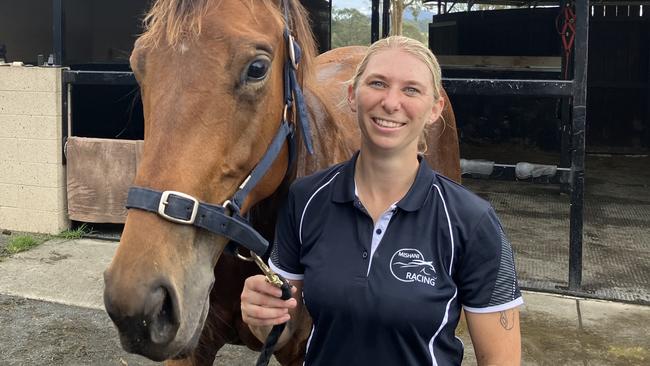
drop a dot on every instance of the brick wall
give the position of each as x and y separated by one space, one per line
32 176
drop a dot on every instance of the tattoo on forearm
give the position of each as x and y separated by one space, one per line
507 319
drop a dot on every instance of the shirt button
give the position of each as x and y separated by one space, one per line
378 231
365 254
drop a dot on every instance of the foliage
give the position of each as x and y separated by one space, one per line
349 27
411 29
77 233
21 243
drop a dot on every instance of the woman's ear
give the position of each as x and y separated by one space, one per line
351 98
436 110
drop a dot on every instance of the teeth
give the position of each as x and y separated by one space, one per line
387 124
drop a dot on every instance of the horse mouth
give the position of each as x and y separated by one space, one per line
157 336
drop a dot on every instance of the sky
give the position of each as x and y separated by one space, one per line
363 6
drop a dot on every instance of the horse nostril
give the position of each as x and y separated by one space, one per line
162 315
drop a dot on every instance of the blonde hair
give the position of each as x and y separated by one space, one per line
414 48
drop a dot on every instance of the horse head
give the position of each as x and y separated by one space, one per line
211 75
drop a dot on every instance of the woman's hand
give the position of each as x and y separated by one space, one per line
261 303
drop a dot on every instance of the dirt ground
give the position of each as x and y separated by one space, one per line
44 333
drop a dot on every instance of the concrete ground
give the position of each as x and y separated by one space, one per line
63 275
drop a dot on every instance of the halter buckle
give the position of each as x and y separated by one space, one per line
164 202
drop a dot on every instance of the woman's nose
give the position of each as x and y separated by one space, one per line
391 101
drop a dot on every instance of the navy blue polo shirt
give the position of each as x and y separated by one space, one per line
391 293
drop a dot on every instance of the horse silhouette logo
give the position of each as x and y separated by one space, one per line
409 265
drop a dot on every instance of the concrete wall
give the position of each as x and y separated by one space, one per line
32 176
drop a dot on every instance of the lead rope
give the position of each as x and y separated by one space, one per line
284 285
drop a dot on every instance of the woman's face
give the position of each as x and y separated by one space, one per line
394 101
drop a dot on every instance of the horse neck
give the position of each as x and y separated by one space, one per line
332 144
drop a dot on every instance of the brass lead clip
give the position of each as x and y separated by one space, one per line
271 277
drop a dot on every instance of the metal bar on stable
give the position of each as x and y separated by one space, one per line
98 77
523 171
374 21
565 103
385 19
65 131
58 54
551 88
58 23
578 144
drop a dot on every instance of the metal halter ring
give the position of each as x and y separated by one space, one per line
242 257
230 208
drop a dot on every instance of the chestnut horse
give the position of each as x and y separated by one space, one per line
211 74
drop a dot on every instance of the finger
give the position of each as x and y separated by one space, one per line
265 300
259 315
258 283
266 322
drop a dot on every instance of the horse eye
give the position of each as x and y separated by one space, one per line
257 70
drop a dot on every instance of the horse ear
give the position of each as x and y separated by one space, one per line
351 98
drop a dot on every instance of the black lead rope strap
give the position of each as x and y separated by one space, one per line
276 331
284 285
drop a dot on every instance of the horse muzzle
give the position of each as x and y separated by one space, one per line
147 320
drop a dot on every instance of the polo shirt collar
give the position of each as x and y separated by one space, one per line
344 184
420 190
412 201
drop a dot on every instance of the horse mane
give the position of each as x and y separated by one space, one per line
175 21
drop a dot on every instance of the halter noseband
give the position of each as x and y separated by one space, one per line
226 219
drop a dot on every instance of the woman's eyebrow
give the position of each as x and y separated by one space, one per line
375 75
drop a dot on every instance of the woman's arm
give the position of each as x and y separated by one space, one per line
262 308
496 337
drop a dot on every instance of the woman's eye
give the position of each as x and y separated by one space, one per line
257 70
411 91
376 84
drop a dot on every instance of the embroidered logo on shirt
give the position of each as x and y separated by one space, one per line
409 265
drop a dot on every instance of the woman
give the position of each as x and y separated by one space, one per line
382 251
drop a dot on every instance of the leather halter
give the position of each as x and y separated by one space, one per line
226 219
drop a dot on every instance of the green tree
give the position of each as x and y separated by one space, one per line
411 29
350 27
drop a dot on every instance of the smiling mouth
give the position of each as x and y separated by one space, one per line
386 123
